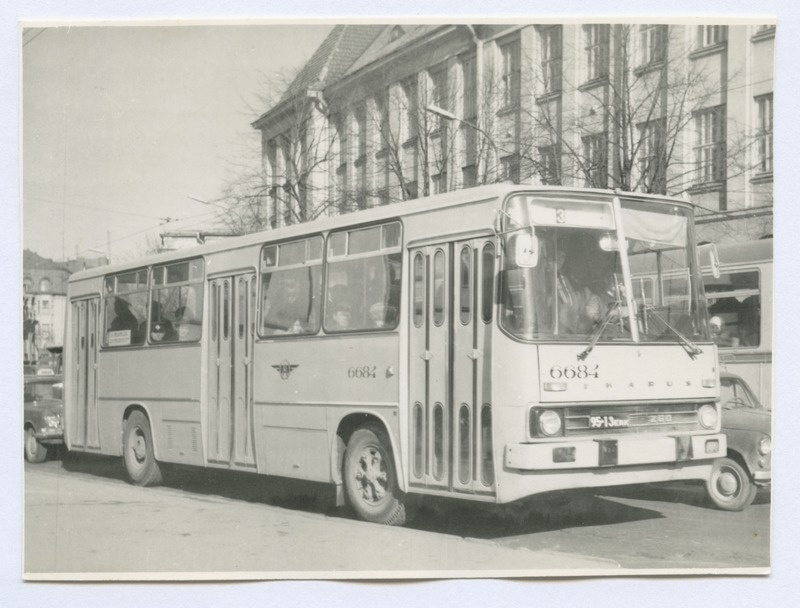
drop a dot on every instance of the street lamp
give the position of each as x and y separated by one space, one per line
441 112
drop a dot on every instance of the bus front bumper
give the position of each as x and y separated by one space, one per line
617 451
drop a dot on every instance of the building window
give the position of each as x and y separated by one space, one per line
551 58
764 133
509 167
510 76
439 182
653 43
27 284
710 145
382 117
710 35
45 285
411 108
439 94
45 305
595 161
596 41
360 163
653 156
549 165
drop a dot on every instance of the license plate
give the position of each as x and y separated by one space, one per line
608 422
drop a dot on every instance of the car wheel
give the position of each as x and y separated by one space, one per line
34 450
730 487
138 453
370 479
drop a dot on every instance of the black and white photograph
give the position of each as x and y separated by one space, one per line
397 299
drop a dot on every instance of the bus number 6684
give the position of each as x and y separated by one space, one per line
574 371
362 371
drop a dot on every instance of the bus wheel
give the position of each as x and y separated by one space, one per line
729 486
137 449
370 479
34 451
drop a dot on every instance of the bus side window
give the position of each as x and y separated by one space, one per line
291 282
177 304
363 288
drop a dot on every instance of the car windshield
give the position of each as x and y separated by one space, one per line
40 390
735 394
577 285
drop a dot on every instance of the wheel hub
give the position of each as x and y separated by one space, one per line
371 476
728 483
139 448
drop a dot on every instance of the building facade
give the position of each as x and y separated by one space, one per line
388 113
44 301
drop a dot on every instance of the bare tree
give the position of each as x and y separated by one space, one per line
641 96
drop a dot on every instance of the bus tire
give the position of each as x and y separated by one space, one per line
729 486
138 453
370 478
35 451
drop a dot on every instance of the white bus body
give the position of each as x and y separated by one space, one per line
462 379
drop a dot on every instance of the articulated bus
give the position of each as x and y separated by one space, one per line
487 344
740 306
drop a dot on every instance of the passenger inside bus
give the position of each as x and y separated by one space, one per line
125 320
187 325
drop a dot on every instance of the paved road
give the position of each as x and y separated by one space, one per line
82 517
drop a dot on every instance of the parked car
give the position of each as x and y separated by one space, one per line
44 412
748 427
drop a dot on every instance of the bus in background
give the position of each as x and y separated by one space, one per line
740 305
487 344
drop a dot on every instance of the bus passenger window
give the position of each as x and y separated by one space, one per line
125 302
177 304
290 288
363 290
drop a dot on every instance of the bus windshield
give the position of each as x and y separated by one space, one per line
577 287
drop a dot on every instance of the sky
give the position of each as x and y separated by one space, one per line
122 124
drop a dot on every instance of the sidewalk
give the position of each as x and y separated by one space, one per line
86 528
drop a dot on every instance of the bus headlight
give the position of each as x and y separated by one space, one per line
765 445
548 423
707 415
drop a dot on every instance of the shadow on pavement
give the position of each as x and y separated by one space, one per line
691 493
235 485
540 513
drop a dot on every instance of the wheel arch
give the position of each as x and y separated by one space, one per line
349 424
739 458
140 407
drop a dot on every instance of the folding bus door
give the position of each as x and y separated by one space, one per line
82 423
429 372
230 370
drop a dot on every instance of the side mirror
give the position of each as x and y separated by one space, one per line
608 242
524 249
713 257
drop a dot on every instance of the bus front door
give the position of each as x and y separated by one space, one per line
450 363
82 423
230 371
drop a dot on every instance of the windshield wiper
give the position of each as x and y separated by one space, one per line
690 347
600 329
